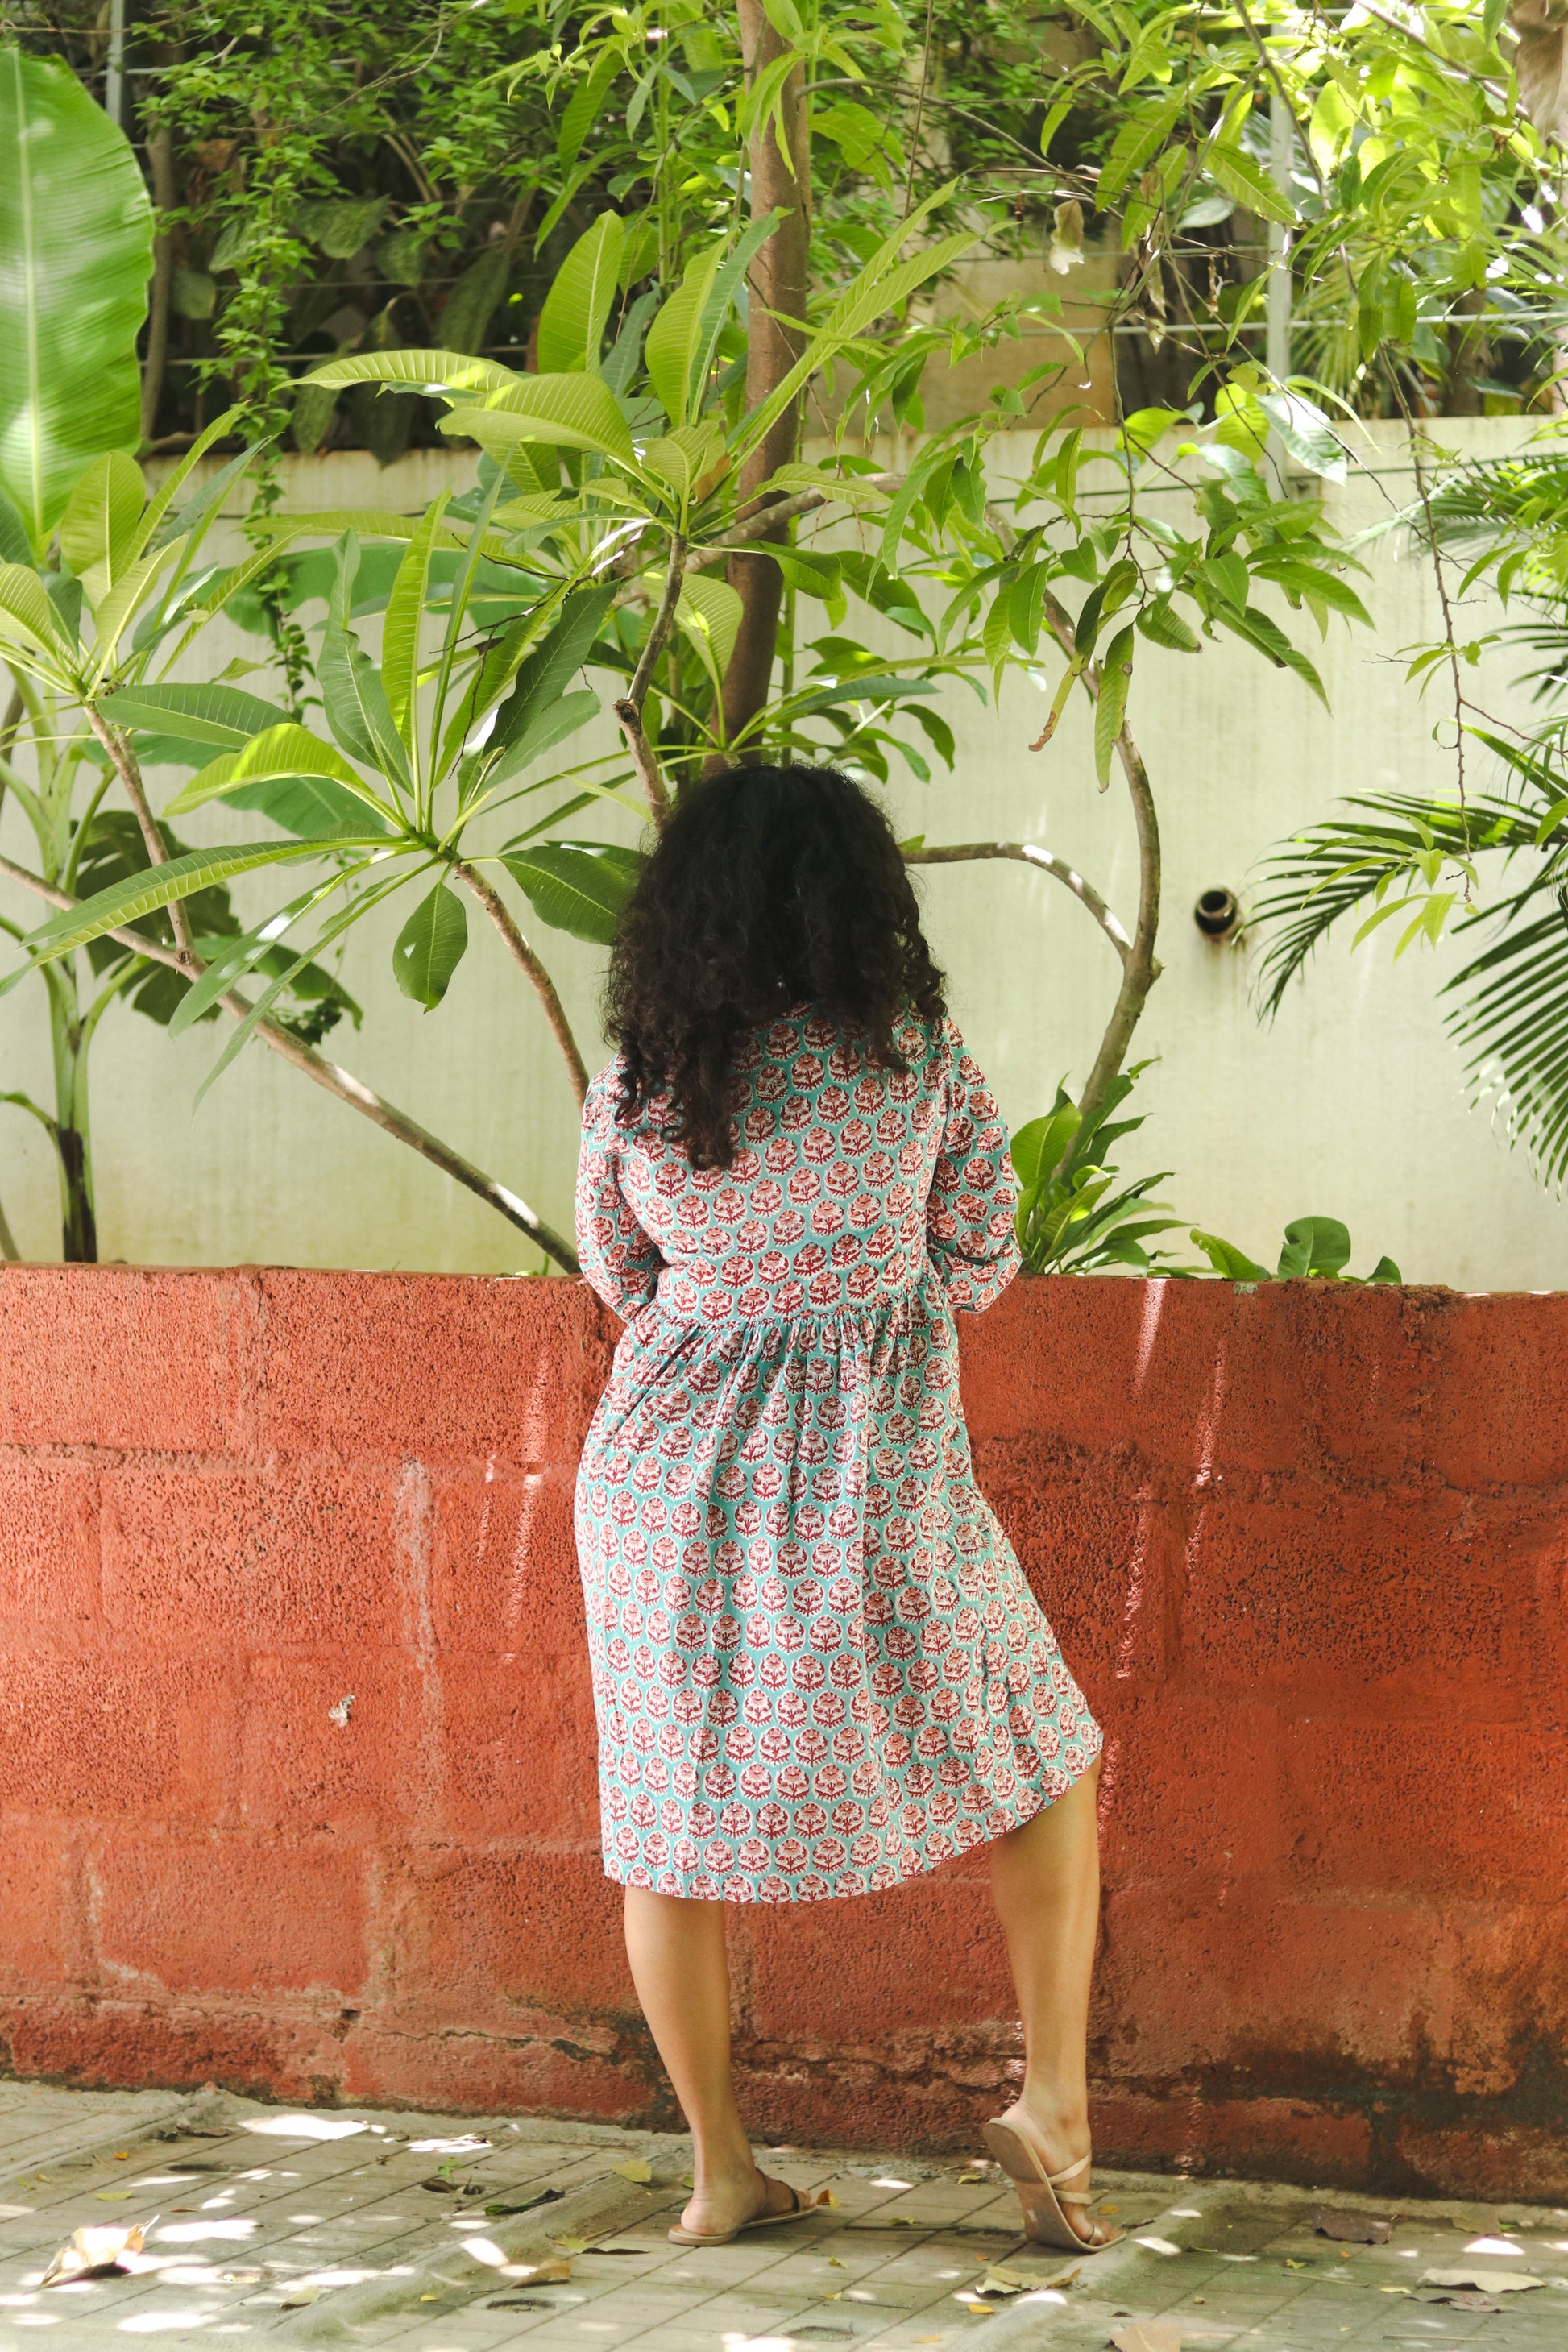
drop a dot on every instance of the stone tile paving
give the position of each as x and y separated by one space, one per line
315 2228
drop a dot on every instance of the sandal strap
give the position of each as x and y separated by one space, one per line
1068 2171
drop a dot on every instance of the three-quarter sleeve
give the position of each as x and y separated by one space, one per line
970 1237
618 1259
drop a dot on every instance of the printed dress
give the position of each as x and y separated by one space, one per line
817 1667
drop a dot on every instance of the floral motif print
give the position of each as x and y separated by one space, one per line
817 1667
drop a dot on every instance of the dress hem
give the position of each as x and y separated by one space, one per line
998 1824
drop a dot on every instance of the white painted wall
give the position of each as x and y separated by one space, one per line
1352 1105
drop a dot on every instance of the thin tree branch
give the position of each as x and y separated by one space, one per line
1027 853
129 774
663 622
645 762
1141 966
629 709
518 948
342 1083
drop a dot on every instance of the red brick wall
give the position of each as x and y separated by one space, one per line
1305 1548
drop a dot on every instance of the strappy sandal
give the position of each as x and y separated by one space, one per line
795 2213
1041 2193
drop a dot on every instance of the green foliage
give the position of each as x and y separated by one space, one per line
76 230
1316 1249
1492 868
1070 1218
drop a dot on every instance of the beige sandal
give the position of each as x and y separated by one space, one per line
795 2213
1041 2193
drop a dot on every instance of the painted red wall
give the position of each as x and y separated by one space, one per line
1304 1547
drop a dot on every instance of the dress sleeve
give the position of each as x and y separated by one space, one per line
618 1259
973 1194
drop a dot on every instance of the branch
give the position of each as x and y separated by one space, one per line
629 710
643 760
129 775
518 948
1140 968
341 1083
953 852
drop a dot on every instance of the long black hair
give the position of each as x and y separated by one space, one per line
769 888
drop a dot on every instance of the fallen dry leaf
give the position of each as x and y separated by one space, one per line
1488 2281
837 2264
524 2204
896 2221
570 2245
1464 2298
1149 2335
634 2170
95 2250
1352 2228
1000 2283
299 2297
439 2188
547 2274
114 2196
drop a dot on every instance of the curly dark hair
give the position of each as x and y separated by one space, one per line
769 888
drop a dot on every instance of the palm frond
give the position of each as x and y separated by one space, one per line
1333 868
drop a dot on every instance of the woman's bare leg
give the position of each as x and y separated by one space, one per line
682 1978
1045 1879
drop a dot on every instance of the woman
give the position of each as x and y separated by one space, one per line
818 1668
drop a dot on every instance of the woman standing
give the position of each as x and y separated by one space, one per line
817 1667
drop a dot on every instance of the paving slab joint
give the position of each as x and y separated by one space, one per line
597 2210
204 2107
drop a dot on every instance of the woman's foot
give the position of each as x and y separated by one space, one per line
728 2200
1057 2143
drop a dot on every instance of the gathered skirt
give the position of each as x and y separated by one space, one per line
818 1669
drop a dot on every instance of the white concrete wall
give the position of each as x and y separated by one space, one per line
1352 1105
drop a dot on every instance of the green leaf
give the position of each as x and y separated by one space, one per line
285 751
26 616
16 546
675 337
1145 130
311 807
1256 629
218 716
572 323
1227 1260
1306 433
430 946
1241 177
1386 1271
352 694
581 109
709 611
1111 705
1313 1245
1163 626
578 886
98 528
549 724
570 412
159 886
415 370
341 225
546 674
472 300
404 611
76 253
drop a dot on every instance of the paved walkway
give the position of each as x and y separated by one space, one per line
437 2236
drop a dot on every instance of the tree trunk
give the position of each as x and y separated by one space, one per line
778 282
